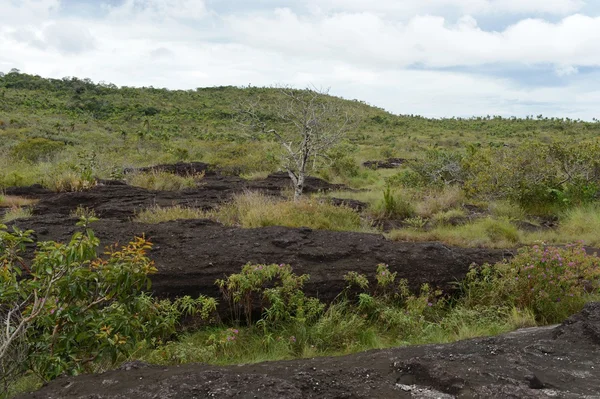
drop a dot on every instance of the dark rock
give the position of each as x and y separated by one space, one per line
33 191
534 382
180 169
358 206
463 369
389 163
190 255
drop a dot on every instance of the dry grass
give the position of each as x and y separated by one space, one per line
252 176
68 181
10 201
17 213
439 201
83 212
163 181
159 214
250 210
577 224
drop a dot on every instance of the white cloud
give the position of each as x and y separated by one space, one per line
412 7
361 52
426 40
69 38
566 70
158 9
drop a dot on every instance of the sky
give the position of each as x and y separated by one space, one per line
436 58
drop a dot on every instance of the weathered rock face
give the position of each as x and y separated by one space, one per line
190 255
547 362
116 200
389 163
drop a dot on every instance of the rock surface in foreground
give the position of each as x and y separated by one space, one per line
562 362
192 254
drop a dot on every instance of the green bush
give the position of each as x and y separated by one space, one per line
552 282
37 149
539 177
276 288
74 310
392 206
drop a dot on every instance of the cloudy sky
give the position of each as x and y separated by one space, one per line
429 57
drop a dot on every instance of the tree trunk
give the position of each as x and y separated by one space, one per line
298 181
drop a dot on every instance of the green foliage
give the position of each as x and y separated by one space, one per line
341 161
552 282
538 177
392 206
37 149
73 310
439 167
276 288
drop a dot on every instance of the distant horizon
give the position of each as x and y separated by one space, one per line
487 116
439 59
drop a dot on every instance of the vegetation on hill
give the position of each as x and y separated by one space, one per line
482 181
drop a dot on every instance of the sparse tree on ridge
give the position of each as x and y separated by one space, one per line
306 123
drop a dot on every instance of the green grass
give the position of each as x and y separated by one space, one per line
486 232
340 331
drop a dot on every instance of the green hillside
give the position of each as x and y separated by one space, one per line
134 126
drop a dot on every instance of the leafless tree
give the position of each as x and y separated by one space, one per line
307 123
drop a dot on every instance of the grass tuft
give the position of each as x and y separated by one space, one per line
163 181
159 214
10 201
15 213
251 210
487 232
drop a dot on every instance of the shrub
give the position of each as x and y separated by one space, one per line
539 177
74 310
37 149
276 289
552 282
439 167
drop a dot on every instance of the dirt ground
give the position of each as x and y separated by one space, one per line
555 362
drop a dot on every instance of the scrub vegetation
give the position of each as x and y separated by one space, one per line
531 185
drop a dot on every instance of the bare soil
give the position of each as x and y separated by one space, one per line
552 362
